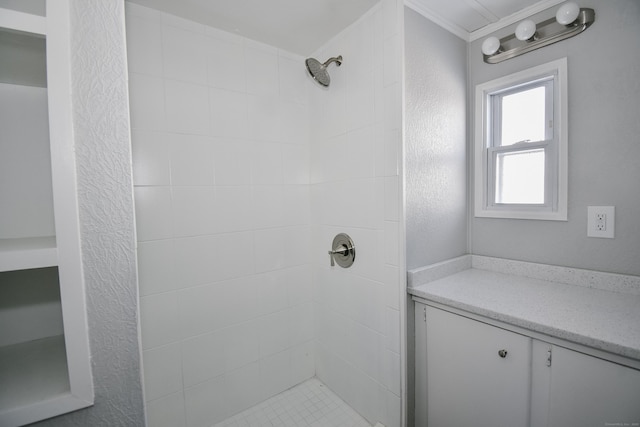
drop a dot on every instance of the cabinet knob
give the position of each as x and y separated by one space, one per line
502 353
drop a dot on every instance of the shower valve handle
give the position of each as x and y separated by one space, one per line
342 250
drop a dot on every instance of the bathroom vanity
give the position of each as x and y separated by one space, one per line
505 343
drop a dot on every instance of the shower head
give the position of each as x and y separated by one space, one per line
318 70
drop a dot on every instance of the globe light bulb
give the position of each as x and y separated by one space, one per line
490 45
567 13
525 30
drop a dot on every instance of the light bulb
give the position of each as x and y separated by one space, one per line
525 30
567 13
490 45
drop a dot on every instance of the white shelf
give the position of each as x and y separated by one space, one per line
32 373
25 22
26 253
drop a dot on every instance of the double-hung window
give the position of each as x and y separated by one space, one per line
521 145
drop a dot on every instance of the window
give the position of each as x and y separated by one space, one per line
521 145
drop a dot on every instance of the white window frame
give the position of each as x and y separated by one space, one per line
553 76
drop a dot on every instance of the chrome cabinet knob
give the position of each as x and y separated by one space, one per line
502 353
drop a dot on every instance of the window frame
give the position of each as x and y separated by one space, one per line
487 121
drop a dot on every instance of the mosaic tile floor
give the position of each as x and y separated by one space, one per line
309 404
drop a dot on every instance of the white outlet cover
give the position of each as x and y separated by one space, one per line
610 223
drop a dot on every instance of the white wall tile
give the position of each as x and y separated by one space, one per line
262 69
393 408
390 367
211 307
153 213
243 388
178 22
368 399
274 333
193 208
266 164
167 411
303 362
391 198
162 371
203 358
295 164
391 242
144 45
294 82
229 113
391 60
232 162
159 317
298 282
207 259
191 160
271 289
281 248
275 373
301 323
226 68
295 205
150 152
264 118
132 9
366 298
268 206
156 272
183 53
392 331
205 403
187 106
232 210
241 345
147 102
360 102
391 286
294 123
366 350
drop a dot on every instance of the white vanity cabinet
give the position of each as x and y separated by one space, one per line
45 365
469 372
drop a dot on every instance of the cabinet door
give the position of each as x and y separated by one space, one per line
468 382
587 391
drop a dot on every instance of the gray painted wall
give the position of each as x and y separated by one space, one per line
435 142
604 145
103 154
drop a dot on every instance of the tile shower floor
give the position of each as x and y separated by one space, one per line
310 403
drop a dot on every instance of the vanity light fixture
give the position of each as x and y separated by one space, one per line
570 20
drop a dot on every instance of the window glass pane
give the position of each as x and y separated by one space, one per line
523 116
520 177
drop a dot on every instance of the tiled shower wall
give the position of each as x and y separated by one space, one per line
220 137
234 147
355 161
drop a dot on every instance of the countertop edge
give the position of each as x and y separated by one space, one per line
558 333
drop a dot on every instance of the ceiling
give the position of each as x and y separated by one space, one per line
302 26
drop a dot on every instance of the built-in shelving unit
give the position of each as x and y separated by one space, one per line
28 252
45 367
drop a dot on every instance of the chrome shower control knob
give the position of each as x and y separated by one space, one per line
502 353
343 251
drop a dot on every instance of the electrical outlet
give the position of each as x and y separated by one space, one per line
601 221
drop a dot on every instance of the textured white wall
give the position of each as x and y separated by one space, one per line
355 160
435 141
604 148
101 132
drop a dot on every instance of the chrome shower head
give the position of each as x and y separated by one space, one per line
318 70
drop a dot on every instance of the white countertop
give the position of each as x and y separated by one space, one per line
597 318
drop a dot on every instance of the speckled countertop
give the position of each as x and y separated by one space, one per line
597 318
